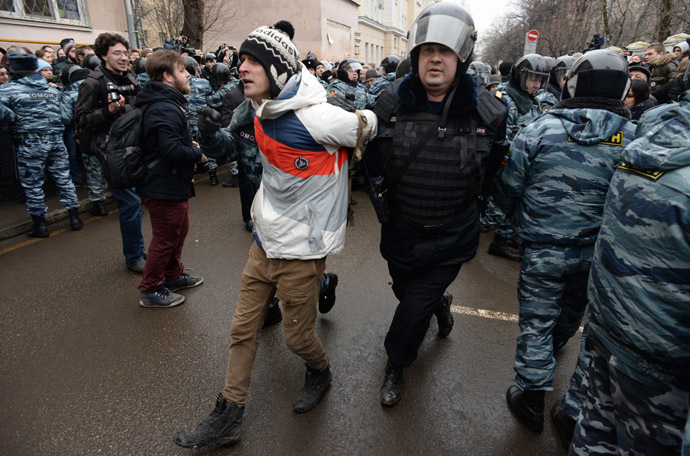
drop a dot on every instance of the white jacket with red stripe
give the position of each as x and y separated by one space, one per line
300 210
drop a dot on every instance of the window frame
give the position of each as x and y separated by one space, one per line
19 13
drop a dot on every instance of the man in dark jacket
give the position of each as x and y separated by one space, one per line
433 174
96 110
170 156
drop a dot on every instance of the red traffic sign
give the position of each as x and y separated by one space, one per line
532 35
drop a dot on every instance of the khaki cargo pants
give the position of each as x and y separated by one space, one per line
296 283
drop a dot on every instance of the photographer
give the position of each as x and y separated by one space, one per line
107 93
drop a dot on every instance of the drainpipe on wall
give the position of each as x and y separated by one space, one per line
134 43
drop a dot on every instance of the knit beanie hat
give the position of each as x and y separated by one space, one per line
67 44
43 64
274 49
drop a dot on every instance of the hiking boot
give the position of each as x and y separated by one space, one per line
528 406
98 209
221 427
392 388
184 281
232 182
39 229
74 219
212 178
444 316
315 385
161 298
327 296
274 315
558 343
564 424
499 247
137 266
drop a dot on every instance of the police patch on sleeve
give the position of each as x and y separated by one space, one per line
646 173
331 92
301 163
615 140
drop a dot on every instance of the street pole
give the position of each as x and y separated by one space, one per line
130 25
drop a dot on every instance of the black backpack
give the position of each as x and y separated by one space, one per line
122 155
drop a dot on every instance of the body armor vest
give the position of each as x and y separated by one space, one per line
443 181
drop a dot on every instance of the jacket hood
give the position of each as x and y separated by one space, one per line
664 143
301 90
157 91
589 126
35 80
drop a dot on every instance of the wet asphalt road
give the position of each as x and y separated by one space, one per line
86 371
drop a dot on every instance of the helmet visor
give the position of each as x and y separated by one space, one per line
352 66
533 81
447 30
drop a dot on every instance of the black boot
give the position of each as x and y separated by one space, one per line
221 427
392 388
273 316
315 385
39 228
499 247
212 178
564 424
327 296
98 209
528 405
444 316
558 343
74 219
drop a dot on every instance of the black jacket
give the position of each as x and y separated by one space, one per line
166 139
91 117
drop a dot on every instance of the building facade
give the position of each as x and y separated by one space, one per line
35 23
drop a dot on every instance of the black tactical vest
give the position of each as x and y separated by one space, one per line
443 181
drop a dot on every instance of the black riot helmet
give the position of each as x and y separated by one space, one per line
530 67
192 66
220 73
91 62
559 70
140 65
448 24
481 72
345 66
599 73
390 64
403 68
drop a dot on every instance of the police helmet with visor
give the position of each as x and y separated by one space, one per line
344 67
529 68
560 69
599 73
192 66
390 64
444 23
481 71
220 73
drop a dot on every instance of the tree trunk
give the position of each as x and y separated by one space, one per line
193 26
607 29
665 7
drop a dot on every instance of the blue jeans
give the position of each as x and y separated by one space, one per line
129 204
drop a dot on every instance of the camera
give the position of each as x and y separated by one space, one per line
114 91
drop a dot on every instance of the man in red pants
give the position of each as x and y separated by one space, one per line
170 156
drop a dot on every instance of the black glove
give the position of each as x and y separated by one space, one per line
344 101
210 121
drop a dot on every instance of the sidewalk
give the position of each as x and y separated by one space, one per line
14 220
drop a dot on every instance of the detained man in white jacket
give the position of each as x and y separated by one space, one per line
299 214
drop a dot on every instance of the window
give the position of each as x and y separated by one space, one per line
395 42
366 52
70 12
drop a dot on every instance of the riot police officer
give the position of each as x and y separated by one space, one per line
388 67
347 75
